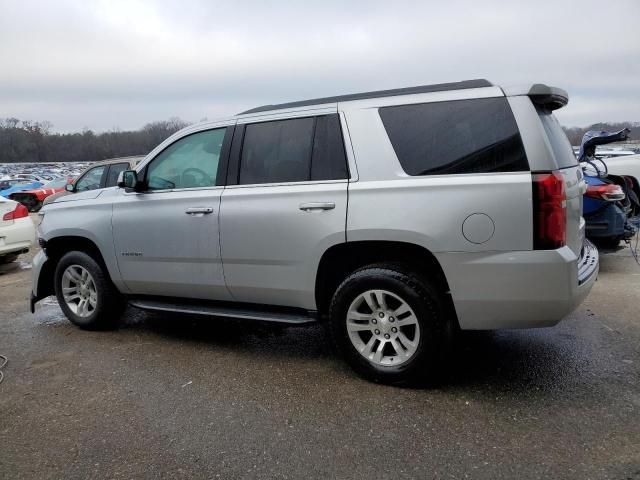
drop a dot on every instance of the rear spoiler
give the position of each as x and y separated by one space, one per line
550 98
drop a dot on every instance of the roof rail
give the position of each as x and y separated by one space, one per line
439 87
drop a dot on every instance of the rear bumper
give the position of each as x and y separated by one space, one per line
607 222
17 237
527 289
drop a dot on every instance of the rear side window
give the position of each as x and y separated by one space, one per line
558 139
329 161
461 136
293 150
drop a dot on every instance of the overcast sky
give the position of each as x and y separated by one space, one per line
122 63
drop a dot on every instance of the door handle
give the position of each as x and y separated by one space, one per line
311 206
198 211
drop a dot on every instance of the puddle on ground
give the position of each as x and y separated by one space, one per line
48 313
9 267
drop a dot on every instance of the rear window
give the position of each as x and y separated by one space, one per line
558 139
461 136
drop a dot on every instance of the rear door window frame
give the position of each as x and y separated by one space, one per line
237 144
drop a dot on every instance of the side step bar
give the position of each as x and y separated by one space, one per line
298 317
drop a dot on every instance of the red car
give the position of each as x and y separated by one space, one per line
32 199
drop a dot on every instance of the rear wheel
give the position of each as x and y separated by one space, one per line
391 325
85 293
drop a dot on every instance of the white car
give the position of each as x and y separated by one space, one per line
17 231
626 165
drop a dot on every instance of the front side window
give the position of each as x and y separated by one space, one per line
190 162
460 136
293 150
91 179
114 171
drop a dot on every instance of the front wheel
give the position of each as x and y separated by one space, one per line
85 292
391 325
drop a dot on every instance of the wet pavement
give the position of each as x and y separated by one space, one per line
172 397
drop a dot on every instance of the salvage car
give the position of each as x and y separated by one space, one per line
624 165
32 199
99 175
17 231
398 216
20 186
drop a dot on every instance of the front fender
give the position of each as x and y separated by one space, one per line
89 219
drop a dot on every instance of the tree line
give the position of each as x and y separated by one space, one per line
32 142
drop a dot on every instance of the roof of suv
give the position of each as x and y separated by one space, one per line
439 87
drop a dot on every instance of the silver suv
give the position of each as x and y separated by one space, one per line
399 216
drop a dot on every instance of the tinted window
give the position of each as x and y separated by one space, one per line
293 150
190 162
329 161
114 171
91 179
558 139
462 136
277 151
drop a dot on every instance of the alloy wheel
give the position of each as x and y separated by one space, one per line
383 327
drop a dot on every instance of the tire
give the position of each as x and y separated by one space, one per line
103 304
8 258
407 360
608 243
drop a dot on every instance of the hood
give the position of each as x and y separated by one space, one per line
88 195
594 137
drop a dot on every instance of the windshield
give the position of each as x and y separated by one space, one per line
59 183
559 142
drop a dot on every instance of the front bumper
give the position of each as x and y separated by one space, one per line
537 288
40 287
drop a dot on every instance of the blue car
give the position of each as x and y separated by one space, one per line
19 187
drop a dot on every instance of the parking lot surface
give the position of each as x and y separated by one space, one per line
171 397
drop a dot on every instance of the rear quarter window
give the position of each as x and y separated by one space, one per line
558 139
461 136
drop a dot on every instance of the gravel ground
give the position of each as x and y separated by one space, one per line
170 397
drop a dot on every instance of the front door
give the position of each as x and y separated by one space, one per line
167 238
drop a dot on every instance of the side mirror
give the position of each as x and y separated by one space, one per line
69 187
129 179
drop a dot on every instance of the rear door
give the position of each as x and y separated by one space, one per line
285 203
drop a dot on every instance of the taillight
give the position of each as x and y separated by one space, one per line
549 211
609 192
19 212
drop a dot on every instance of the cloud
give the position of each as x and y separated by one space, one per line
123 63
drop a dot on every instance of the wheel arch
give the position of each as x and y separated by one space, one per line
339 260
55 248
